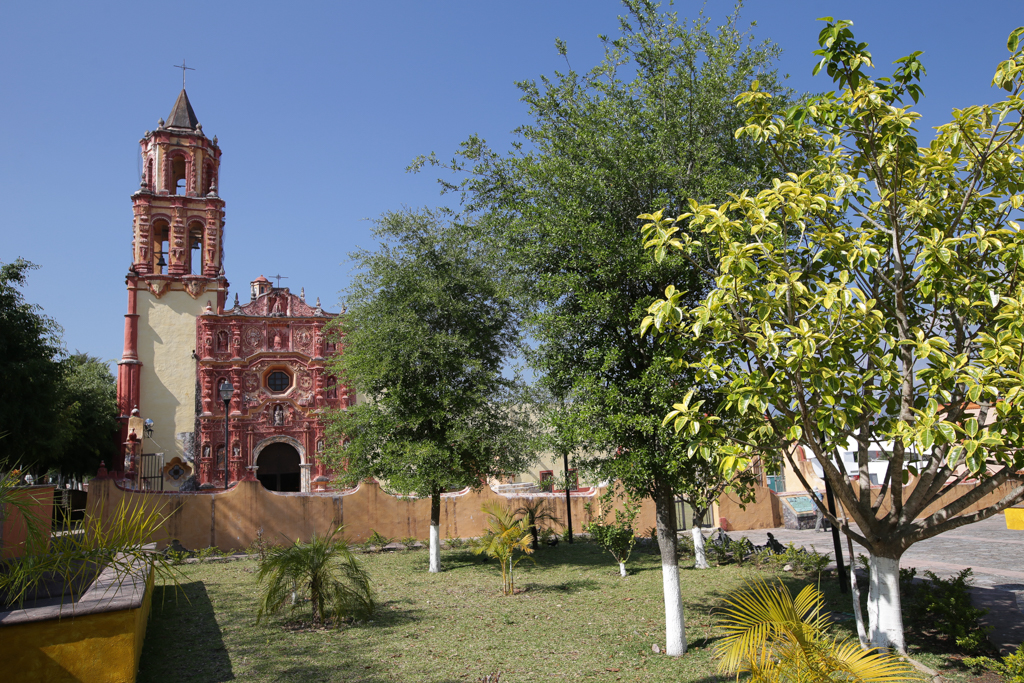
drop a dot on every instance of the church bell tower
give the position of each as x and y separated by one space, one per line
177 270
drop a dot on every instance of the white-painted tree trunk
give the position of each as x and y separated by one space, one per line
622 569
700 555
884 609
675 638
435 548
858 616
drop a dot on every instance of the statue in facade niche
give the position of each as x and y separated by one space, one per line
278 415
236 451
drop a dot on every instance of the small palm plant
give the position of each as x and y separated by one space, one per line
325 569
536 512
774 638
505 536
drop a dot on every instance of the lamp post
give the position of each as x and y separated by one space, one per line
227 390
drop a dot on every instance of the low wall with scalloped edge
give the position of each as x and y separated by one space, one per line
230 519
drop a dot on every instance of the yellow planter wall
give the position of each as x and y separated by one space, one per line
1015 519
101 647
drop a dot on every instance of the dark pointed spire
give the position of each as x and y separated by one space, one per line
182 116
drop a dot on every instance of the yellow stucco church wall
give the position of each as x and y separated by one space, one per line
101 647
167 338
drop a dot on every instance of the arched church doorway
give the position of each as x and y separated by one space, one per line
278 465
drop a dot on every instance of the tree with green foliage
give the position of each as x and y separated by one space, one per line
649 126
874 294
89 413
59 413
428 329
706 477
32 374
617 537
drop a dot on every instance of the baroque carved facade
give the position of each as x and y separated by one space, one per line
181 342
273 351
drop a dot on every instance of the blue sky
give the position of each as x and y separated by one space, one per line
319 108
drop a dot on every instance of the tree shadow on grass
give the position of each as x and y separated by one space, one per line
183 641
393 613
570 586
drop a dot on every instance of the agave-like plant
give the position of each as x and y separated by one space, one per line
505 535
125 542
325 569
21 502
773 638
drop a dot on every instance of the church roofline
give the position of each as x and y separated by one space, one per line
182 116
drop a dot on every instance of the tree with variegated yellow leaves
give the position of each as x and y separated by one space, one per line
875 294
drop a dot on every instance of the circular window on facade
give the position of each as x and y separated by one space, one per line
278 381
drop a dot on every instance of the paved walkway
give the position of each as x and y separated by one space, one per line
993 552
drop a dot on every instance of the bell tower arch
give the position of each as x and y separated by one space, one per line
177 271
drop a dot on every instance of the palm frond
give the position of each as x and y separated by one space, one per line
325 569
772 637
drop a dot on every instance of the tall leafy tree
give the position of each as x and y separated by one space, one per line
874 294
89 410
57 412
428 329
31 373
649 126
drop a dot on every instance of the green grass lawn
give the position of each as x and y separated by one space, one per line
574 619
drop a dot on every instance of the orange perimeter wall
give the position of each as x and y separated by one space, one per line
230 519
13 532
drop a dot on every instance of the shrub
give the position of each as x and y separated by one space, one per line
616 537
814 562
948 606
258 547
1011 668
176 557
376 540
208 553
324 569
455 543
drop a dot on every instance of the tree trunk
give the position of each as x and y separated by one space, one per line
622 569
884 609
435 532
862 632
700 555
675 636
